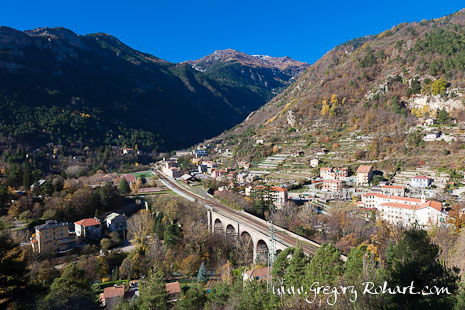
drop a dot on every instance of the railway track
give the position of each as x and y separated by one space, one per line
286 237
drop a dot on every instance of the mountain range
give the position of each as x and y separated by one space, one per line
58 86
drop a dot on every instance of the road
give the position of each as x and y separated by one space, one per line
287 237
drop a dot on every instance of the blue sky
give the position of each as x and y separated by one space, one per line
184 30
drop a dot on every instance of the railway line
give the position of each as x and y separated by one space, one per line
282 235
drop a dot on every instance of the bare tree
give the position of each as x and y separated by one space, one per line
140 225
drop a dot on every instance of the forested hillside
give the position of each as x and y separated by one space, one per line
57 86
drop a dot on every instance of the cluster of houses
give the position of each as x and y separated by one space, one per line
335 178
387 200
54 236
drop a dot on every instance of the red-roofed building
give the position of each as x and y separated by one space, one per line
259 274
405 210
364 175
88 228
173 290
130 178
111 296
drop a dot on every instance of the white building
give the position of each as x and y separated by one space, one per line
421 181
394 190
432 136
405 210
116 222
171 169
314 162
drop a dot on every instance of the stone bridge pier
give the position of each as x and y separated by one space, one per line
246 236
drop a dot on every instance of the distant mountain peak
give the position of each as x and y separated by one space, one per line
285 63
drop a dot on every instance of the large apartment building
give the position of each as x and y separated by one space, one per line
405 210
364 175
52 236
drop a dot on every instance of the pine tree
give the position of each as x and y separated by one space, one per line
202 275
69 291
325 267
12 266
27 177
415 258
194 298
295 272
153 293
281 264
124 186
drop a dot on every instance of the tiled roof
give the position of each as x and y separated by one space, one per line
433 204
393 186
421 177
87 222
364 169
332 181
113 291
130 177
173 288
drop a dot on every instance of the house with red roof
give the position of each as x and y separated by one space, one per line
405 210
173 290
89 228
111 296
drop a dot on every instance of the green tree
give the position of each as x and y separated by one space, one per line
158 226
219 295
153 293
12 266
3 195
281 264
443 116
202 275
172 234
325 267
27 178
295 272
415 258
105 244
69 291
256 296
194 298
124 186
